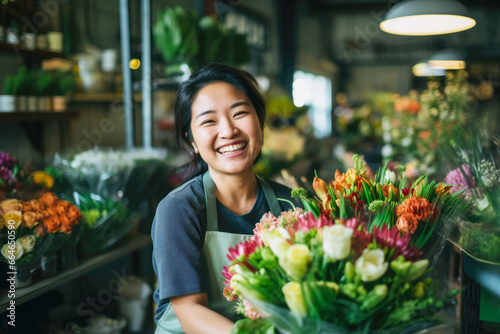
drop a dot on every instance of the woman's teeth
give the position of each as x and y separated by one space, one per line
232 148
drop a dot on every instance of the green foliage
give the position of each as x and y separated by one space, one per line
184 39
257 326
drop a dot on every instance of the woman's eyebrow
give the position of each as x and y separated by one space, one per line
239 103
205 112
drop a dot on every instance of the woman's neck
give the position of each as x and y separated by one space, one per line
237 193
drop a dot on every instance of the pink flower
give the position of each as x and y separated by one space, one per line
267 223
307 222
461 181
400 242
250 312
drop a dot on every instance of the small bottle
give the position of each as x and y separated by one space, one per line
2 23
13 33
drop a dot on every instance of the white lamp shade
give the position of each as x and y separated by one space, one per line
447 60
422 69
427 17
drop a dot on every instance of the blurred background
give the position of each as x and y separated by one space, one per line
88 89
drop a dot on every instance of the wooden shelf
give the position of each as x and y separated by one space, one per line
42 286
101 98
25 116
38 54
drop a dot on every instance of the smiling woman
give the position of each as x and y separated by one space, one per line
219 119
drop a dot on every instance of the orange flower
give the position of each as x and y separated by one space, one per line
27 207
387 189
66 223
52 211
425 134
29 219
36 205
74 212
48 199
320 187
419 207
62 206
442 190
407 224
42 214
10 205
52 224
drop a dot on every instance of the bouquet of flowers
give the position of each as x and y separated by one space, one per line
419 208
476 158
102 187
300 273
105 222
35 228
19 182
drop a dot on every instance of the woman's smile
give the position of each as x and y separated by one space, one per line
231 149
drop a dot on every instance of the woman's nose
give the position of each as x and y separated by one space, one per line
228 129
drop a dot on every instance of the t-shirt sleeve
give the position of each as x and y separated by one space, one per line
177 246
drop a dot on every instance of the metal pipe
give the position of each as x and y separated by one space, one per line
146 74
127 75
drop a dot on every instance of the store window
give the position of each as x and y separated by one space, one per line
315 91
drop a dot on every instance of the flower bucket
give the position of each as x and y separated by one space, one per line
23 275
69 257
7 103
48 265
482 292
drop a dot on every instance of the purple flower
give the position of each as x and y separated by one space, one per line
459 180
7 161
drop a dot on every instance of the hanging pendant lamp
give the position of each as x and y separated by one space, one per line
427 17
447 60
423 69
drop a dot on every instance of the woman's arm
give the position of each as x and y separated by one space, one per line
195 316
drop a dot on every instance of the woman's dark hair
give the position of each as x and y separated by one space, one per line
206 75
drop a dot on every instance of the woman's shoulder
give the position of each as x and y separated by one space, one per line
190 193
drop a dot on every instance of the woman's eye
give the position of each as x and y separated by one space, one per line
208 121
240 113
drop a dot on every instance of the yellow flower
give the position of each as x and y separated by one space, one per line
43 179
294 298
12 219
296 261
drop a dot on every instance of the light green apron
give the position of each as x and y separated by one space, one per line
215 248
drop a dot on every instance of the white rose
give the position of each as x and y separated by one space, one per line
390 177
27 242
337 241
278 245
14 249
371 265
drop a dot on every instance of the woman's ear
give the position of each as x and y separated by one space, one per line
195 147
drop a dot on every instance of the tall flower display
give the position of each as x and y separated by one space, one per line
416 125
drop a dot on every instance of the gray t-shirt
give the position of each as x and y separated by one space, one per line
178 233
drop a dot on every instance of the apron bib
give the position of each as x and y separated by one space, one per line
215 248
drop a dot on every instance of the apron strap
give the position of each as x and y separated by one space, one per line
272 201
211 202
210 199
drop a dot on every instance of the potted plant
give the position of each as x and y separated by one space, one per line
8 99
43 89
64 83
